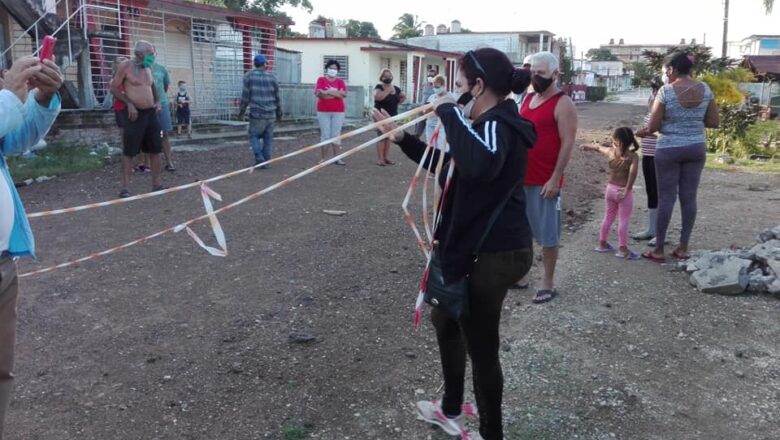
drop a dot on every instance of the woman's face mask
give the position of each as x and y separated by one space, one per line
182 88
437 90
387 80
331 72
467 102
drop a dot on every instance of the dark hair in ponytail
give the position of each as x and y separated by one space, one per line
681 62
495 69
521 79
626 139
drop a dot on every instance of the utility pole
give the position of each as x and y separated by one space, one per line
725 49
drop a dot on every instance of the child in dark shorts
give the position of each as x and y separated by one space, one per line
183 110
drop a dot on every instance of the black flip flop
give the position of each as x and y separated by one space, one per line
538 296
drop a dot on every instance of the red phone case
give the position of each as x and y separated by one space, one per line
47 48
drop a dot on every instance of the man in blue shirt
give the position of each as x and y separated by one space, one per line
25 118
261 95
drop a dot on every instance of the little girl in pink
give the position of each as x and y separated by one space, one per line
619 197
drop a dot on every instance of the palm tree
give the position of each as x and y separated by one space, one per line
407 27
768 6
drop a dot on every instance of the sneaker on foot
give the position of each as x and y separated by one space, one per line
431 412
340 162
124 194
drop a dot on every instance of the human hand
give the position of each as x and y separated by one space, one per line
642 132
47 81
552 188
132 112
380 116
21 72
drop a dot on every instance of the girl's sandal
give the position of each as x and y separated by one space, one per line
680 256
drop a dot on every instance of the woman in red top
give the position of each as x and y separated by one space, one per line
331 91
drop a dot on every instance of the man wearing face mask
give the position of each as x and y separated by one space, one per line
428 90
142 132
555 119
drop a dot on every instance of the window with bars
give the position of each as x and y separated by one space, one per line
343 61
403 76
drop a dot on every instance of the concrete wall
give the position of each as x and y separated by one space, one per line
298 100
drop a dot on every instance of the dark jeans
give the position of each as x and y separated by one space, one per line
490 279
651 184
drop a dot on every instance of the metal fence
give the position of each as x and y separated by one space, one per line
299 100
210 53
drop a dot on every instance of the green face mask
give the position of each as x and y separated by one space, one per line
148 60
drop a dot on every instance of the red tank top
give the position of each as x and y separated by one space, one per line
544 155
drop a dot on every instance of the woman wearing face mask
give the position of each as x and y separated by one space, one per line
483 234
386 97
681 112
331 91
439 91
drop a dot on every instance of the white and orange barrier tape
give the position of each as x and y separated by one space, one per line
347 135
211 213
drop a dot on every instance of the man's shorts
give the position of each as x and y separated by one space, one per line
143 134
165 119
544 216
121 118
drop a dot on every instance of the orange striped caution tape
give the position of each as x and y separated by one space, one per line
212 214
347 135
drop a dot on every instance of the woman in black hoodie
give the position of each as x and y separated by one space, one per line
490 159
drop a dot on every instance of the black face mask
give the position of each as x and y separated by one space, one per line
465 98
388 80
540 83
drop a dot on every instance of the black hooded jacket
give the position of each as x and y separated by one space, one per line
490 157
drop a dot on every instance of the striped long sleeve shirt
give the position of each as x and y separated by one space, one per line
261 94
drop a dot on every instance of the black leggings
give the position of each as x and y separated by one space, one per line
490 279
651 184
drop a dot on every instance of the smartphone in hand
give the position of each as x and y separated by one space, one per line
47 48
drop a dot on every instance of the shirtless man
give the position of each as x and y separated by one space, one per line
142 132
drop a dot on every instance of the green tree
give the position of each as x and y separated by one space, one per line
265 7
360 29
408 26
768 4
642 73
703 59
601 55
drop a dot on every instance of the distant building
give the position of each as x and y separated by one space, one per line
629 53
609 74
516 44
755 45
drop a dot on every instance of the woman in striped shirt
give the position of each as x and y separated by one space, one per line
648 169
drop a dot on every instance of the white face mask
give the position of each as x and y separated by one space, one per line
430 79
665 79
331 72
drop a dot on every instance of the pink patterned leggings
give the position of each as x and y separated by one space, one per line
614 207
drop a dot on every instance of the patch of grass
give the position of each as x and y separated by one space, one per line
744 165
294 432
56 160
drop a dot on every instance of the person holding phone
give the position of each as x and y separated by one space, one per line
29 104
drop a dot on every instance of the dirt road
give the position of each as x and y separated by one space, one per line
304 329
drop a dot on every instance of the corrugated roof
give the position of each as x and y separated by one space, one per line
763 64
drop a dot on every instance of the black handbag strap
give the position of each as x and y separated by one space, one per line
495 215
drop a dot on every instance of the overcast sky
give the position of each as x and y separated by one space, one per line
588 23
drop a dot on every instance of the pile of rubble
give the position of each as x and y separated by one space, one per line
735 271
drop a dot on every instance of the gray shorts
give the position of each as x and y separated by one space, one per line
544 216
330 125
165 119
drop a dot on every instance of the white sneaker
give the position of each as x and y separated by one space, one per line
431 412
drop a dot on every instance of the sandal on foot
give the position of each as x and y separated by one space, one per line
680 256
519 286
381 164
604 249
170 167
544 295
159 188
124 194
630 255
389 162
649 255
